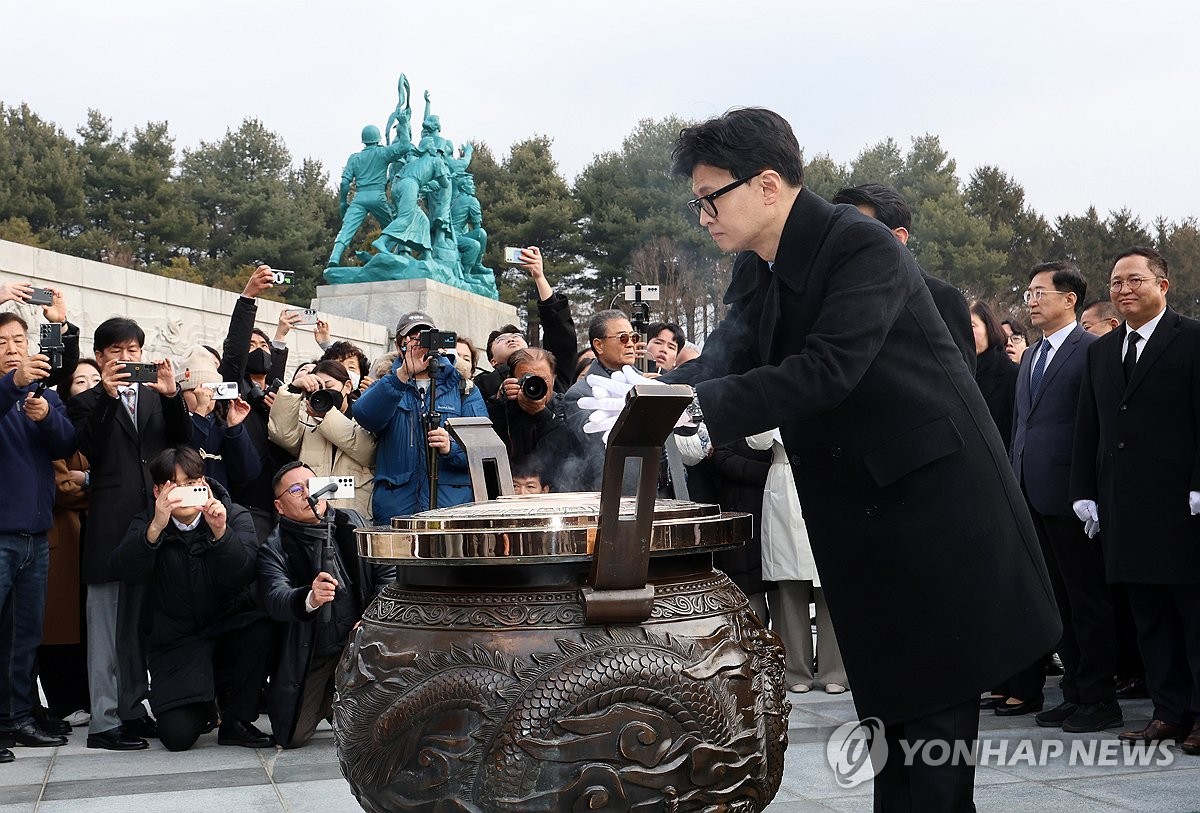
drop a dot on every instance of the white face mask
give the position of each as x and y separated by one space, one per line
355 378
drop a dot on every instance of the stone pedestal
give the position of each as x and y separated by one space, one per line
453 309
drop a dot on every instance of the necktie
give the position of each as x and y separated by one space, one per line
1039 368
1131 355
129 396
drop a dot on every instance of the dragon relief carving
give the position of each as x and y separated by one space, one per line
615 719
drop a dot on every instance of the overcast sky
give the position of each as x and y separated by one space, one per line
1083 103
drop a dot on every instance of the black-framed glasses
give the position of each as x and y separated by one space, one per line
625 337
1133 283
705 203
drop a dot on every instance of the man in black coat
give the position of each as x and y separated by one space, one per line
1135 478
558 333
889 208
297 579
832 336
532 428
1046 403
207 644
121 427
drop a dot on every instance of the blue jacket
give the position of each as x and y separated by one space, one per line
393 411
239 461
27 460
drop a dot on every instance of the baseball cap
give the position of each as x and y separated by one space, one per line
413 320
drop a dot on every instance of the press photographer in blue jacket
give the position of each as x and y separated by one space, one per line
394 407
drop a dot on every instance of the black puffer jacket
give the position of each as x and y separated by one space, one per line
198 589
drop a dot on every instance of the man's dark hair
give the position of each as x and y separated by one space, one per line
995 336
1156 261
333 369
187 459
1105 309
340 351
676 331
258 331
890 209
284 469
117 330
598 326
528 354
7 317
496 334
744 140
528 466
1066 277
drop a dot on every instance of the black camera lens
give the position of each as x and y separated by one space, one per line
533 386
322 401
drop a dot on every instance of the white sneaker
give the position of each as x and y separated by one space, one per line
834 688
800 688
78 718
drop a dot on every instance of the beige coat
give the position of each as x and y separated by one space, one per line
335 445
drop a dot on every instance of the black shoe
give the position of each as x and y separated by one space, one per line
1055 717
1132 689
991 701
235 732
116 739
1015 709
49 723
143 727
6 756
1094 717
30 736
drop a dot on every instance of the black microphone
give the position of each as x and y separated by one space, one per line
321 492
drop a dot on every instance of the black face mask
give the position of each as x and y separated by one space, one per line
258 362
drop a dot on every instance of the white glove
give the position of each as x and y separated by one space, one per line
1194 502
608 399
1086 511
694 448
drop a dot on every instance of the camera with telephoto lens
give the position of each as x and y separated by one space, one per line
533 386
51 344
322 401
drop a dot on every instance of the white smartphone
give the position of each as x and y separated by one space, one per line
512 256
345 487
308 316
223 391
193 496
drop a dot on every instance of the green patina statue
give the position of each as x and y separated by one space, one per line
432 224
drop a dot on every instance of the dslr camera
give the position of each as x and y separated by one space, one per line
533 386
51 344
322 401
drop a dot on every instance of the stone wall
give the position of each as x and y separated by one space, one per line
176 315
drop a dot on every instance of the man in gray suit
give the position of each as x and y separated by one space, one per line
1043 428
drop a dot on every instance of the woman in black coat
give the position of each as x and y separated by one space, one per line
206 642
996 375
995 372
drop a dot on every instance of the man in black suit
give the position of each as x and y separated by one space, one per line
1047 398
120 426
1135 478
889 208
832 336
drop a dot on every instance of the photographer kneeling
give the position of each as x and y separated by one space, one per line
529 415
311 579
205 639
312 420
396 408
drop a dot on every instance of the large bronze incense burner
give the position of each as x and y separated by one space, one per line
564 652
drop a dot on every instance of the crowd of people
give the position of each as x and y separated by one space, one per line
1038 487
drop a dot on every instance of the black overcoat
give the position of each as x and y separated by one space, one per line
120 456
1137 453
928 557
286 570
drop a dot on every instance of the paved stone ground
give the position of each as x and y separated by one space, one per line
74 779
